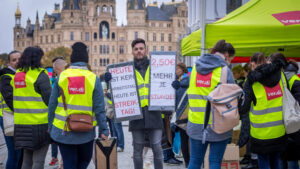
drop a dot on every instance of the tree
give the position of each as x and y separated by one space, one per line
60 51
3 59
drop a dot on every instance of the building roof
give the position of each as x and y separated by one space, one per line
67 4
30 31
56 16
156 13
140 3
170 9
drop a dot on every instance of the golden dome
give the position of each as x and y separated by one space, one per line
18 12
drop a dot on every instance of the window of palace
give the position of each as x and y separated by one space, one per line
113 49
154 37
58 38
95 35
71 35
113 36
104 8
52 39
121 49
87 36
162 37
162 48
136 35
154 48
170 37
170 48
95 62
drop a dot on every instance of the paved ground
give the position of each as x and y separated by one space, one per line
124 158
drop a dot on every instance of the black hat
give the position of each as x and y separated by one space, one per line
79 53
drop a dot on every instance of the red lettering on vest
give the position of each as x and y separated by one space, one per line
273 92
20 80
203 80
76 85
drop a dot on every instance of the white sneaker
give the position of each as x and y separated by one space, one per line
119 149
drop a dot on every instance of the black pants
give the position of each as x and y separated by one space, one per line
185 146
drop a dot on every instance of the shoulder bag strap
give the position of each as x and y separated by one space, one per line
224 75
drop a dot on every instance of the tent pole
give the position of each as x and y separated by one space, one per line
203 24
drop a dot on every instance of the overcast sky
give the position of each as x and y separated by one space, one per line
29 8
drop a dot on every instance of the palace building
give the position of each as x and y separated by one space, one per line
94 22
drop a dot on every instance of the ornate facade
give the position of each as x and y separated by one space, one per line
94 23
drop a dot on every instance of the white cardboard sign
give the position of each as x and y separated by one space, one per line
124 91
162 74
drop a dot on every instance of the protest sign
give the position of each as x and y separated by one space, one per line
124 91
162 74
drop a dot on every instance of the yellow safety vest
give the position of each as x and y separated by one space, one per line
266 116
78 86
143 86
4 107
292 80
29 107
197 96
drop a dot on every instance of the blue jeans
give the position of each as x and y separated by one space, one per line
13 157
118 132
269 161
76 156
54 150
168 154
293 165
198 150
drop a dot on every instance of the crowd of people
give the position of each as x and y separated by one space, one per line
46 111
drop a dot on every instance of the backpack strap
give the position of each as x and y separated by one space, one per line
224 75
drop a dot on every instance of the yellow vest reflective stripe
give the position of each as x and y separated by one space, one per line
29 107
143 87
78 86
4 107
197 96
266 116
292 80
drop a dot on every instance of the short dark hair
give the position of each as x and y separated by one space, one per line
182 67
279 56
12 52
223 47
58 57
136 41
31 58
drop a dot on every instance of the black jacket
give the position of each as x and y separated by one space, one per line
5 88
151 119
268 75
293 149
33 137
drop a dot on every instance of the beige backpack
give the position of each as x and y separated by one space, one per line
224 105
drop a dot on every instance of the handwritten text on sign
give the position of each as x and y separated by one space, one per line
125 97
162 74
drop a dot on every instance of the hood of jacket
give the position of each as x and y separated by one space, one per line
6 71
267 74
208 62
290 71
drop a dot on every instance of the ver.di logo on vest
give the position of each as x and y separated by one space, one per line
76 85
203 80
20 80
273 92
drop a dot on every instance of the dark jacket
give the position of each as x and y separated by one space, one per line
33 137
268 75
293 150
5 88
179 94
151 119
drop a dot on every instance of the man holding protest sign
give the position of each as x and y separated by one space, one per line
151 123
